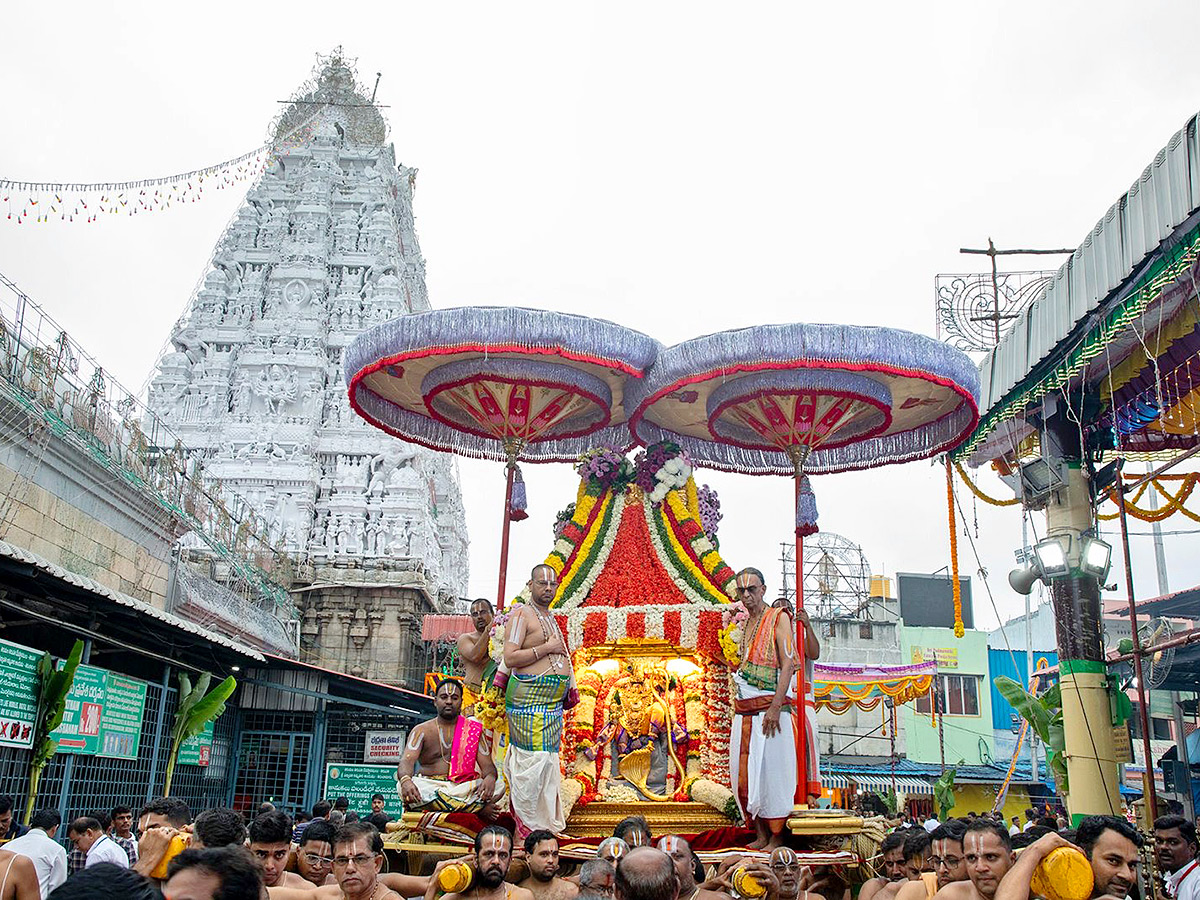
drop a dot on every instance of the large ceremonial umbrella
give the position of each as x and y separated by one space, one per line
500 383
795 398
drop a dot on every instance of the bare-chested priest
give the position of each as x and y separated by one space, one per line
493 854
541 856
457 773
535 653
473 651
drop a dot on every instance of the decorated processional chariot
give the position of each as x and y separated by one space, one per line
644 597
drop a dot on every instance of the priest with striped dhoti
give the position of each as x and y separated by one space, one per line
539 684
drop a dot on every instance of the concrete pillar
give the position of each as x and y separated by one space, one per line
1087 716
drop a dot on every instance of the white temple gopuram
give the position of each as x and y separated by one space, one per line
322 248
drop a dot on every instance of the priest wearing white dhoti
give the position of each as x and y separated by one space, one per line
766 730
456 770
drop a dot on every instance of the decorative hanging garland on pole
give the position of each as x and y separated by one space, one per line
956 588
1173 502
40 201
979 493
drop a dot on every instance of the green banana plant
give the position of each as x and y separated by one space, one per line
52 687
1044 715
197 707
943 793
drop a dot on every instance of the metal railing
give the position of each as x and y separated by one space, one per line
69 396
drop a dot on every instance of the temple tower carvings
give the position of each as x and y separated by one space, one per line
322 248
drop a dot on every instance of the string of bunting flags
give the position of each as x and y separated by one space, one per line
42 201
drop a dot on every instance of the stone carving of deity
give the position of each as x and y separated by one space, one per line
277 386
275 228
388 286
345 232
382 467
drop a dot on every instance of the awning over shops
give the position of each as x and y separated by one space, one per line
1117 318
904 784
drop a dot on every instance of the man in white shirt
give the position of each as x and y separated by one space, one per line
89 838
1175 850
47 855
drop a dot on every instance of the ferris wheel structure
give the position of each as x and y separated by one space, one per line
837 576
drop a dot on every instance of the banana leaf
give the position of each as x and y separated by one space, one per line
1029 707
52 687
943 793
197 707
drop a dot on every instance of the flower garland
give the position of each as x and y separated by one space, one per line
979 493
719 797
709 506
959 630
590 528
573 532
714 753
693 552
662 467
562 519
605 468
733 623
1173 502
687 525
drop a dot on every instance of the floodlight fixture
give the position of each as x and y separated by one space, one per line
1096 558
1038 480
1052 556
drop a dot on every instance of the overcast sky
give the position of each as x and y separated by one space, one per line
678 168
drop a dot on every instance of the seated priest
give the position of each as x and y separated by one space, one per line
456 772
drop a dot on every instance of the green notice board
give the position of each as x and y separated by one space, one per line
18 706
357 782
197 750
103 715
121 721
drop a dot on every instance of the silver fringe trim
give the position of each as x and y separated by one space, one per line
501 326
796 344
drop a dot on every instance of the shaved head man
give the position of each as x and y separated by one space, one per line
684 860
535 653
646 874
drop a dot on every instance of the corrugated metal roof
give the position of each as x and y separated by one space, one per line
1154 208
20 554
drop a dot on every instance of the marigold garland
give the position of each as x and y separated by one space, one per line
959 630
1173 503
979 493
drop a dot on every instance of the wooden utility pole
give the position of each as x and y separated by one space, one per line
992 252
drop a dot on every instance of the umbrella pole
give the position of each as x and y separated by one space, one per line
511 471
801 692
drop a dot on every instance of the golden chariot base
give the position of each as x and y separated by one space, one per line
599 817
806 821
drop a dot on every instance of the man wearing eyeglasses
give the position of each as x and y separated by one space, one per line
314 856
762 747
357 860
948 861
